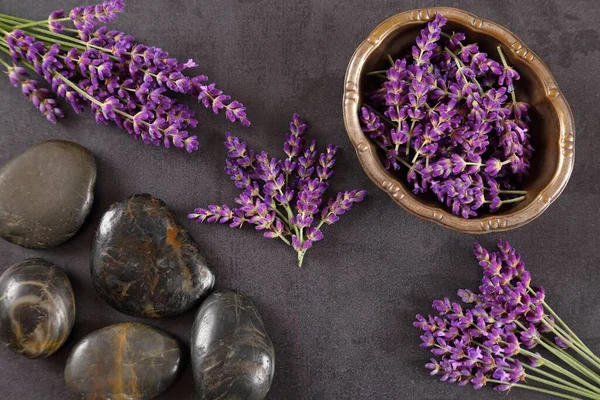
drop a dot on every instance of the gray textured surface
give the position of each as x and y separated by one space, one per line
341 325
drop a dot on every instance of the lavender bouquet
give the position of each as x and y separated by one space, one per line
448 115
284 197
507 336
122 81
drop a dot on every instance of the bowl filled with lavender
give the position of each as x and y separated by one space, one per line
458 121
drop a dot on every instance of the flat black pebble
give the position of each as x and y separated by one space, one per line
144 264
46 193
37 308
232 355
127 361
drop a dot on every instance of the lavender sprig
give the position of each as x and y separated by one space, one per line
124 82
283 198
443 114
496 335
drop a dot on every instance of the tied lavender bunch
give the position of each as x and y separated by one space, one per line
121 80
448 115
283 198
503 334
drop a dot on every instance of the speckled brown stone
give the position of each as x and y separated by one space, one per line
46 193
37 308
144 264
127 361
232 355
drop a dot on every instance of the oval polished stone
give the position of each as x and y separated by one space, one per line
232 355
46 193
144 264
127 361
37 308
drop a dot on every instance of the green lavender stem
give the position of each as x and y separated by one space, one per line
558 379
565 357
537 389
568 359
509 191
554 367
513 200
43 22
7 65
381 71
19 20
560 333
581 392
560 370
570 332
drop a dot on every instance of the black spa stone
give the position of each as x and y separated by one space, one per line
46 193
232 355
144 264
128 361
37 308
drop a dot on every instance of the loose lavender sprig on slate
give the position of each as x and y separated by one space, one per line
122 81
496 335
284 197
448 115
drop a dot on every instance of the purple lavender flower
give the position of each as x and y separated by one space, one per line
448 116
41 99
121 81
426 42
15 74
87 18
53 24
340 205
282 198
491 340
213 98
509 75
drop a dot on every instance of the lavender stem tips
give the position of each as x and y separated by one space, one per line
283 198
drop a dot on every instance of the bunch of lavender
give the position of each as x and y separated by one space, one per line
283 198
496 337
122 81
448 113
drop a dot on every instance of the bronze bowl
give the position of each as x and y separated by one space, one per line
552 127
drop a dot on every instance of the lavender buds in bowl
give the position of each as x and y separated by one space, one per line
443 124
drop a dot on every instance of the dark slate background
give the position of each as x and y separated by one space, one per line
341 325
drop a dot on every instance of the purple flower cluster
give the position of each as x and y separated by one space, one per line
124 82
480 341
283 198
449 115
87 18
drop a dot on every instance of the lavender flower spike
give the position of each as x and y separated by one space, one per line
281 198
88 17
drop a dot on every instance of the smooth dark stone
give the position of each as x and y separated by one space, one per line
144 264
128 361
37 308
232 355
46 193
